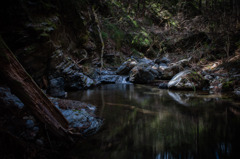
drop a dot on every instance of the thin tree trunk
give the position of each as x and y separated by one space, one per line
200 5
30 94
100 36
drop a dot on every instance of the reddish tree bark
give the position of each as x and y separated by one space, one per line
30 94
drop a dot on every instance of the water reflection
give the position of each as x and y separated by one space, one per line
142 122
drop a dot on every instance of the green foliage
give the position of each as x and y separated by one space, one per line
104 35
142 39
133 22
114 32
137 53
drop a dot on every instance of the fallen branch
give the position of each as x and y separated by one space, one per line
144 111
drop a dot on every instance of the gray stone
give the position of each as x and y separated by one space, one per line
9 99
125 68
174 68
163 86
29 124
40 142
187 80
164 60
142 74
56 87
65 67
237 91
208 77
108 78
145 61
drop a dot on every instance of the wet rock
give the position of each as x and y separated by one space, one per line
163 65
169 72
35 129
145 61
237 91
221 84
107 72
56 87
142 74
113 79
173 68
65 67
208 77
164 60
156 71
8 99
108 78
123 80
163 86
125 68
79 115
187 80
29 124
40 142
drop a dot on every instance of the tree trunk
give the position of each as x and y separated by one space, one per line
200 5
30 94
100 36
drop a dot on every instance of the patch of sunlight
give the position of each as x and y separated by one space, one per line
165 14
174 23
212 65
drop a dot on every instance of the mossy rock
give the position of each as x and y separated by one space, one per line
188 80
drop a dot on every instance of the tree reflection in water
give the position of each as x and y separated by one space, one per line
145 122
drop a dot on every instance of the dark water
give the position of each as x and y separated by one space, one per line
143 122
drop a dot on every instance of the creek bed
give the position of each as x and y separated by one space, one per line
144 122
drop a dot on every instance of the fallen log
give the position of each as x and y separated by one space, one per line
24 87
131 107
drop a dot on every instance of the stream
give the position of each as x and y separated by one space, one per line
144 122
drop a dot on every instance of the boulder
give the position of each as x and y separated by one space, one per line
56 87
237 91
113 79
164 60
222 84
142 74
8 99
108 78
169 71
77 81
79 115
123 79
163 86
125 68
107 72
65 67
163 65
187 80
145 61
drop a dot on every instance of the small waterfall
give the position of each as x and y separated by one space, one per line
123 80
